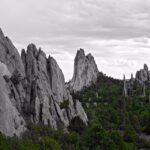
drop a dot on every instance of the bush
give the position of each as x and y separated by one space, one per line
16 77
51 144
129 134
97 137
77 125
64 104
147 144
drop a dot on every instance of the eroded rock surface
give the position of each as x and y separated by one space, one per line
85 72
11 121
46 92
9 54
137 85
143 74
33 90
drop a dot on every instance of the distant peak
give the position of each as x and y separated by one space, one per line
89 56
80 52
85 71
143 74
32 50
1 33
124 77
31 46
145 67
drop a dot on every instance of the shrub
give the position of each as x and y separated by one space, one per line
64 104
130 135
77 125
51 144
16 77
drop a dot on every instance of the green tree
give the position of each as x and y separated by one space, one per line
51 144
77 125
130 134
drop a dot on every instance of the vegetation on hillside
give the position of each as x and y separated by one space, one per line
115 123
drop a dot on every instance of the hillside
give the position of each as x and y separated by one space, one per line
39 111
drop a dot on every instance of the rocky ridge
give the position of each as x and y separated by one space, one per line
137 85
11 121
33 90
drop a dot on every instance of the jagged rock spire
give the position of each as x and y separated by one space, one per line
1 34
145 67
40 93
125 91
11 121
9 55
143 74
142 79
47 91
85 71
131 76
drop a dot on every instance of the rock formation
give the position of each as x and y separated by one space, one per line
143 74
125 89
137 85
85 72
46 90
33 90
9 55
11 121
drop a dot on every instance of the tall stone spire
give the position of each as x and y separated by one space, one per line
33 90
143 90
125 92
85 71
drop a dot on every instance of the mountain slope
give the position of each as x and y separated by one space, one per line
33 90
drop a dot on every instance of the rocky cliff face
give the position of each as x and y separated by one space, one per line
11 121
9 54
33 90
85 72
143 74
137 85
46 96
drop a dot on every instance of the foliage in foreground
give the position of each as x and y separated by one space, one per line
115 123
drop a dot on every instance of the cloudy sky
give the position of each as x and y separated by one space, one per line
116 32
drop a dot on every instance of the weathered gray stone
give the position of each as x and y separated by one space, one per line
143 74
85 72
11 122
9 55
33 90
4 70
141 79
46 90
125 89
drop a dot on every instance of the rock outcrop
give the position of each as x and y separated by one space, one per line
85 72
33 90
46 91
143 74
11 121
137 85
9 55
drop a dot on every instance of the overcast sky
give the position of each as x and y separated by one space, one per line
116 32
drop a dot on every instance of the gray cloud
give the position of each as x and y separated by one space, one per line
116 32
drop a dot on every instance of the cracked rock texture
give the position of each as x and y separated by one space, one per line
143 74
85 72
33 90
46 90
11 121
140 82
